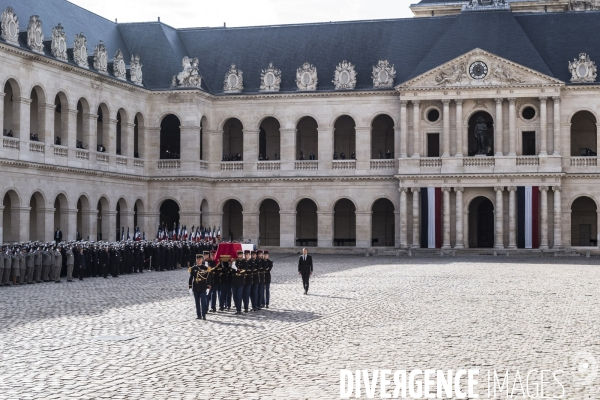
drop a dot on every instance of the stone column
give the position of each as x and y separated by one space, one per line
127 139
363 148
397 230
499 213
325 148
110 236
544 217
21 126
109 136
48 123
250 150
446 218
363 229
512 217
89 224
70 136
512 126
543 127
90 139
152 220
556 126
416 242
416 128
250 224
127 221
459 218
1 207
2 128
325 228
466 229
71 224
288 149
214 149
403 134
403 218
459 128
446 133
499 129
190 148
557 217
287 228
24 215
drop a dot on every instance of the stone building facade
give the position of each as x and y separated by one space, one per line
156 139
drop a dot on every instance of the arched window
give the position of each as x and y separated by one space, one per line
584 134
233 140
307 139
170 138
269 142
344 138
382 138
344 223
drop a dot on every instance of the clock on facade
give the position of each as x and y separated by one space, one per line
478 70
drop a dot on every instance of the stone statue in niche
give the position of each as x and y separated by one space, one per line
481 136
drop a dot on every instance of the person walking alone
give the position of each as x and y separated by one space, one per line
305 268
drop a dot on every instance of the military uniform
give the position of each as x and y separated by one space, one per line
217 275
260 262
15 267
37 265
29 259
254 283
268 268
238 282
248 268
70 258
46 264
199 282
7 268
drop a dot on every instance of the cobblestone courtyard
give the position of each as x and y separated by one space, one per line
490 313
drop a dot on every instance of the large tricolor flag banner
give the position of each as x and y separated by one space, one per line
528 207
431 218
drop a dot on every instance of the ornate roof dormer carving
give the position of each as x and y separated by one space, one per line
136 70
190 76
345 76
10 26
59 43
234 80
80 51
35 35
383 75
486 5
270 79
101 58
583 70
119 68
306 77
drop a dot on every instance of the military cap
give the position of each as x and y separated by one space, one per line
240 251
266 252
259 251
247 252
199 256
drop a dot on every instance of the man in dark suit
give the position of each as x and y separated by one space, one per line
305 268
58 235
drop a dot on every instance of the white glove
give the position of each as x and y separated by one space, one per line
207 291
191 292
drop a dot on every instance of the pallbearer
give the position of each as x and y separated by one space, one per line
225 292
215 288
248 264
254 286
199 283
260 268
268 267
238 283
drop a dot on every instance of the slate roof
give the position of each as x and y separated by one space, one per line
544 42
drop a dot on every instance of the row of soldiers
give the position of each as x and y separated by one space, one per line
36 262
246 280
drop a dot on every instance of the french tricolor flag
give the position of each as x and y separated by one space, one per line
528 208
431 218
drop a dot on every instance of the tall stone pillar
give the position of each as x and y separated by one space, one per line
49 227
499 129
543 127
112 226
22 122
397 230
71 230
512 217
127 139
363 148
416 128
499 213
151 227
446 218
416 242
363 229
403 218
1 207
90 139
512 126
190 147
459 128
24 215
214 149
110 137
2 128
325 148
459 218
402 138
287 228
70 136
48 122
557 217
250 224
250 150
446 134
288 149
89 225
557 125
127 217
466 229
544 217
325 228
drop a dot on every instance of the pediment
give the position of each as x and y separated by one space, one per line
479 69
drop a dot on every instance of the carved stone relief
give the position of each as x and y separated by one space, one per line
10 26
80 51
345 76
35 35
270 79
234 80
119 68
583 70
190 76
383 75
136 70
306 77
59 43
101 58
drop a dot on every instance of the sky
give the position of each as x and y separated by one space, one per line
203 13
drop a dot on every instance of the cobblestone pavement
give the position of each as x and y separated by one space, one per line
490 313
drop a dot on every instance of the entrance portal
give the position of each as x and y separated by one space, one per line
481 223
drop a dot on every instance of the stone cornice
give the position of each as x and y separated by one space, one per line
496 177
273 179
25 53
